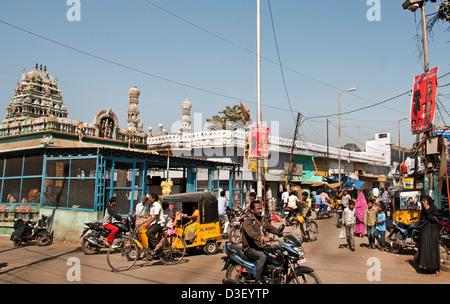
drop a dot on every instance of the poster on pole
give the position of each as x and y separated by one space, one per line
423 103
259 141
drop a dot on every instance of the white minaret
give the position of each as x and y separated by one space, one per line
185 123
134 123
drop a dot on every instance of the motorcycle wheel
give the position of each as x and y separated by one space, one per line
304 278
44 239
87 247
16 242
397 236
235 235
233 273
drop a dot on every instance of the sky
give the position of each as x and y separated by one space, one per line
206 50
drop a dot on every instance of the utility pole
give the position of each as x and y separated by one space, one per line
291 158
328 152
258 92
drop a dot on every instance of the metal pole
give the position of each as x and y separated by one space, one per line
339 138
258 89
425 38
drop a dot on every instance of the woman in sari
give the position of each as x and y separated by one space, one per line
360 207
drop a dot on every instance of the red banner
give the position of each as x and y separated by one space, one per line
259 141
423 101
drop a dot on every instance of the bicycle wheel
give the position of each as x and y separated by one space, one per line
297 232
172 250
123 254
313 231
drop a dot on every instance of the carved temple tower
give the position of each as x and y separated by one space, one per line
36 95
185 123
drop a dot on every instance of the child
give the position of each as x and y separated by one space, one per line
380 227
370 217
349 221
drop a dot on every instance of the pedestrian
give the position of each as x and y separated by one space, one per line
349 220
293 201
345 198
380 228
222 205
370 217
375 193
284 201
429 253
143 208
385 199
360 207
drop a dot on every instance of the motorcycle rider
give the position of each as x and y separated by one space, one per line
252 237
110 213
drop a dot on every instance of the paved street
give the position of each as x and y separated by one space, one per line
334 264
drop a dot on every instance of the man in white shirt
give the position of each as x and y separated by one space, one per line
293 201
156 221
222 204
284 200
143 208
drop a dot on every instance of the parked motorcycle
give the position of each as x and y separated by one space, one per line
26 231
404 236
93 242
282 267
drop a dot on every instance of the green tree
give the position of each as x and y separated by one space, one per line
231 118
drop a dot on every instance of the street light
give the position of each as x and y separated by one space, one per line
413 5
339 137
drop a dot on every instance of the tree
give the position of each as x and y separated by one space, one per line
231 118
351 147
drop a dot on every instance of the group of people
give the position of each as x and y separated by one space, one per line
362 215
153 215
370 216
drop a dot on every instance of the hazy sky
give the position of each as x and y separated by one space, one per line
205 50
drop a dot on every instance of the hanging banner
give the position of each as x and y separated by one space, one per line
259 141
423 102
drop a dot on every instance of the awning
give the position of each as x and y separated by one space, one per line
347 182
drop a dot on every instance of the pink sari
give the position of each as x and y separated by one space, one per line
360 207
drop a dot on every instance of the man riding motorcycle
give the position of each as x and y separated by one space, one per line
252 237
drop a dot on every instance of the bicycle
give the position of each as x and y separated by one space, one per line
124 252
299 232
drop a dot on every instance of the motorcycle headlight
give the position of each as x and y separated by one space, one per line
300 251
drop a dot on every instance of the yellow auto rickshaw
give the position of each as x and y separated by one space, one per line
207 227
406 205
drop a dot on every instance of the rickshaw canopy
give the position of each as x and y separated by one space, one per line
207 204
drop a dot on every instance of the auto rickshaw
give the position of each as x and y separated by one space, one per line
207 232
406 205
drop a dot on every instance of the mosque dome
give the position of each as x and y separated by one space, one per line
134 91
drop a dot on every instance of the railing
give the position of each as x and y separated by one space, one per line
68 126
224 138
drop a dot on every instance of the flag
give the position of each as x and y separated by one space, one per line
246 114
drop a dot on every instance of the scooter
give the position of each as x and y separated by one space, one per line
26 231
404 236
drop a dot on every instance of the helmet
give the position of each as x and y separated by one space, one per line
300 219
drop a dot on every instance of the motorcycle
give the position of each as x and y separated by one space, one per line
282 266
93 242
404 236
26 231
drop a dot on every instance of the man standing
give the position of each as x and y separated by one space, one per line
253 240
284 201
155 221
349 221
222 204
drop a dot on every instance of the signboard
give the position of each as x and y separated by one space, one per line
259 142
423 101
251 164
